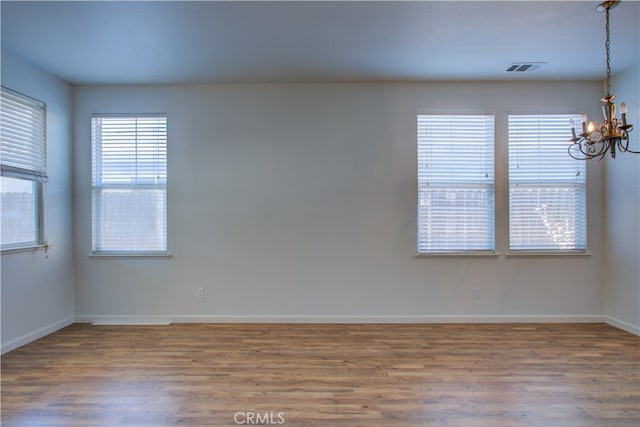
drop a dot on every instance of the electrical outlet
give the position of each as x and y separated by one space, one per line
476 293
200 293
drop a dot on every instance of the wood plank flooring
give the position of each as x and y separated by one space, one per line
458 375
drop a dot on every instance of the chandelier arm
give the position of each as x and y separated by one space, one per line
623 142
592 150
603 152
581 147
581 151
598 153
573 148
623 146
627 150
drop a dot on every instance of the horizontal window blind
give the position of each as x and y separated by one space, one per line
547 188
455 183
23 138
129 178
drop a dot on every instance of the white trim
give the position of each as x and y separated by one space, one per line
128 320
548 253
29 248
471 254
35 335
435 319
108 254
621 324
165 320
205 318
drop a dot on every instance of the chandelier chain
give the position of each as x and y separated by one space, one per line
607 46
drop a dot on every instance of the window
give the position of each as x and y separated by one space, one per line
129 184
547 188
23 151
455 184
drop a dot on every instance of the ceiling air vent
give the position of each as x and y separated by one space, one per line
525 66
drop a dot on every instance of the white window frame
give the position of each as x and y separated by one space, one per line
564 174
463 236
131 176
23 156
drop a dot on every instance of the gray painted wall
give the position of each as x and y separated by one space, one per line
622 202
297 202
38 292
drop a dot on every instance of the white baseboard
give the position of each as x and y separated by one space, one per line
165 320
116 319
37 334
155 320
620 324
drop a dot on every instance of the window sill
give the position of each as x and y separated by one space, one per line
20 249
130 255
459 255
548 254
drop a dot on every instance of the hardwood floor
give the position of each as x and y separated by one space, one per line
296 375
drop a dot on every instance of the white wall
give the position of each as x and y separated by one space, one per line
38 293
297 202
622 201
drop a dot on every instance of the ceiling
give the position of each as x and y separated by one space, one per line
99 42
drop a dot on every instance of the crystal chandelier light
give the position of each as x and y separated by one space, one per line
612 134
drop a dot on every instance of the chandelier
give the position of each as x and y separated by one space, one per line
612 135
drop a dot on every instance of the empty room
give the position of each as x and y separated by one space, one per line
320 213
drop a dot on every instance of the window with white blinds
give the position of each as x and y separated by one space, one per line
547 188
129 184
456 201
23 159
